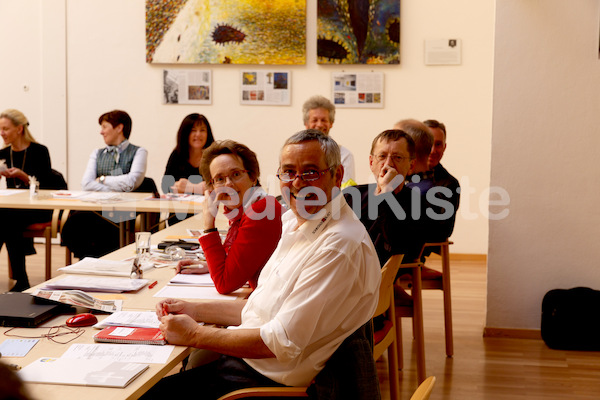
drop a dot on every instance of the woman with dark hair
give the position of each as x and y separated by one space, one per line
231 171
182 174
23 158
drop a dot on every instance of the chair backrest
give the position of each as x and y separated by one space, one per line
350 373
148 186
55 180
424 390
388 276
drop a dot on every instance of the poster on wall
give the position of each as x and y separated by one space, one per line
270 88
353 32
443 51
226 32
187 86
357 90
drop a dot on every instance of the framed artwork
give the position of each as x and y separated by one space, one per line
358 32
226 31
265 87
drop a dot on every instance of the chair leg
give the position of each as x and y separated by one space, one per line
68 260
418 324
48 238
10 273
393 358
447 300
400 345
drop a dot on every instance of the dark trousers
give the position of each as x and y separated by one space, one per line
209 381
14 223
87 234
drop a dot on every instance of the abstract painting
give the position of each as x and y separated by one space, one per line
226 31
358 31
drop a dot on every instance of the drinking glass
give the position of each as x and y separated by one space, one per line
142 246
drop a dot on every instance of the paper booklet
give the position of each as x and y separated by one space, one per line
141 319
132 335
68 371
96 266
97 284
79 298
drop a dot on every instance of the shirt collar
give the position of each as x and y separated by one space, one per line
119 148
313 227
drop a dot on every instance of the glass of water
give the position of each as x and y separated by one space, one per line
142 246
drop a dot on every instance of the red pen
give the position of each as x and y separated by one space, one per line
152 284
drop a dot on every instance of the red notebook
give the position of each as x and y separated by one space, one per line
122 334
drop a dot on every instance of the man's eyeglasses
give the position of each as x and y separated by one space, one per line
220 180
395 157
308 176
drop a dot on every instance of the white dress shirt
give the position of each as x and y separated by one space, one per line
348 163
119 183
318 287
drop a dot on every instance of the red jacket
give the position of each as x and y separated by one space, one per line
247 247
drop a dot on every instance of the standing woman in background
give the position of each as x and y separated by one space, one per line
182 174
24 158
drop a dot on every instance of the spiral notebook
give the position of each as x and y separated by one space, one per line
130 335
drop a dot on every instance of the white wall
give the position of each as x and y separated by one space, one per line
545 153
106 69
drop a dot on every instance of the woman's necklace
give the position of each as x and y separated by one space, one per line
18 182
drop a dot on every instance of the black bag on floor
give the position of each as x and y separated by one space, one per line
571 319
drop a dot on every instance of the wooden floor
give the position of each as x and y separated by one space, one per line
482 368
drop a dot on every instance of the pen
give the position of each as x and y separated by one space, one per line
14 367
152 284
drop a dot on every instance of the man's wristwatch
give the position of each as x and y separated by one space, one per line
102 179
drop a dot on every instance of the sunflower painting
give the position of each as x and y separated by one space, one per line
358 31
226 31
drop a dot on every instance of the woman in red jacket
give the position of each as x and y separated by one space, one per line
231 171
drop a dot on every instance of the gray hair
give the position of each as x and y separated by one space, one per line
328 145
318 102
18 119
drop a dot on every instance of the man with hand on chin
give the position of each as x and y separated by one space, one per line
386 208
320 286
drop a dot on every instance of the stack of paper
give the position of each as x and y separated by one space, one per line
97 284
95 266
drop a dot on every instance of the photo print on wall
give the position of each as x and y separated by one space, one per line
358 31
226 31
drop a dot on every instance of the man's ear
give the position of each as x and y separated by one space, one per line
411 168
339 175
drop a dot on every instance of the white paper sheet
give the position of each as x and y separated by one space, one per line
195 292
137 353
142 319
192 280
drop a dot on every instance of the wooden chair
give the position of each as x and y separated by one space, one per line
266 392
424 390
385 338
411 306
48 230
432 279
349 373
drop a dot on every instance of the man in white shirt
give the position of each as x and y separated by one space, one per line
319 113
320 285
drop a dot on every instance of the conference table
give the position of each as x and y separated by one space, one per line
141 300
116 207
